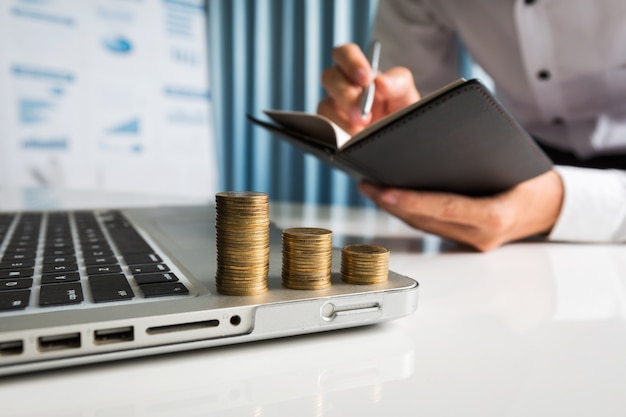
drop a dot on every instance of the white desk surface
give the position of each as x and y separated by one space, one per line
531 329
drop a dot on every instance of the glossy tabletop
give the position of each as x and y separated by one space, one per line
530 329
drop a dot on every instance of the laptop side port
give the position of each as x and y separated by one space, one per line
116 335
181 327
59 342
11 347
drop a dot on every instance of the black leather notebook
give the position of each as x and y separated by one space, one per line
459 139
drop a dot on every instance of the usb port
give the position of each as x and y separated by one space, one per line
11 347
59 342
116 335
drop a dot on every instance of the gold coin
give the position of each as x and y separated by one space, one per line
242 242
240 194
306 231
364 264
307 258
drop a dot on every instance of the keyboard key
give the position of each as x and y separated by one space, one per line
59 244
31 247
61 294
59 268
17 264
163 290
103 269
59 259
97 253
148 258
16 273
51 239
106 288
100 260
91 239
19 256
16 284
155 278
127 239
148 269
59 252
14 300
92 247
59 278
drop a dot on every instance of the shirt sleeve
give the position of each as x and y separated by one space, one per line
414 35
594 206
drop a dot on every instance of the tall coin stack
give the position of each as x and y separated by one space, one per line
243 250
307 258
364 264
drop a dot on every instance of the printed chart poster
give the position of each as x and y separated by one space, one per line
106 94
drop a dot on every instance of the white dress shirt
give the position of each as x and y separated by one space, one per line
559 66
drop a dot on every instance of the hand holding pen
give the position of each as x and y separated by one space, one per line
359 94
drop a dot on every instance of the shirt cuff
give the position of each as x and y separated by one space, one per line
594 205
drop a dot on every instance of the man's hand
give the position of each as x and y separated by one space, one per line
344 83
485 223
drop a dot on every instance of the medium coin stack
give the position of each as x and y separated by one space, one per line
307 258
364 264
243 250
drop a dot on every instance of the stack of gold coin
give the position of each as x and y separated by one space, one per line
364 264
242 228
307 258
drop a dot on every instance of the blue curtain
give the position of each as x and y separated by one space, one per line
270 54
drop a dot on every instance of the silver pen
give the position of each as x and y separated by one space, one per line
367 99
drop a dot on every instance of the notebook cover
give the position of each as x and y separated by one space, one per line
462 141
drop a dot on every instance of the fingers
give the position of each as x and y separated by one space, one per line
481 223
344 83
397 86
443 207
353 64
530 208
327 108
345 95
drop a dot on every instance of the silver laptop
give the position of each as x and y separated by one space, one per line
79 287
88 286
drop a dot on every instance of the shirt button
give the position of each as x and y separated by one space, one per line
543 75
529 2
558 121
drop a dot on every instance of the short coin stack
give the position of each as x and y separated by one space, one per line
364 264
307 258
242 228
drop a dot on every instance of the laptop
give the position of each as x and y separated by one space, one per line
87 286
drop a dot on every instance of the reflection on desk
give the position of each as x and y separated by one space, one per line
532 328
300 376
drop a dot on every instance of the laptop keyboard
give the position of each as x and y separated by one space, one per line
54 259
